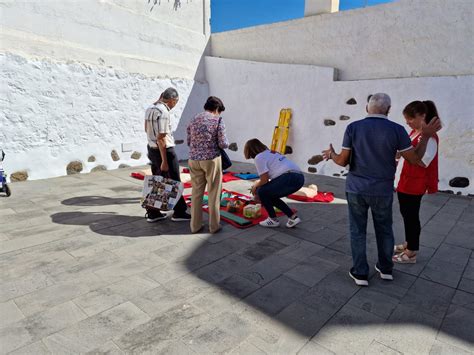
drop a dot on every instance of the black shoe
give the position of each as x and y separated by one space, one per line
384 275
154 216
359 279
182 217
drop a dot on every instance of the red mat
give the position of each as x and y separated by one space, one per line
229 176
253 221
320 197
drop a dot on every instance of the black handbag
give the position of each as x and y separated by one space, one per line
226 162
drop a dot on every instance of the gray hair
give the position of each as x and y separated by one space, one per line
169 94
379 104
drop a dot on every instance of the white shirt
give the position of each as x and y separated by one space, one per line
274 164
157 118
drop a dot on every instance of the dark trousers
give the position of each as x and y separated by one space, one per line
271 193
172 173
381 207
410 210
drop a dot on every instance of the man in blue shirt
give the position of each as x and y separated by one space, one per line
370 146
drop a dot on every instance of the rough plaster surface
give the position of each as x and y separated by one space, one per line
53 113
254 93
406 38
119 33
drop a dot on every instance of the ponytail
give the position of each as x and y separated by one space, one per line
428 108
431 111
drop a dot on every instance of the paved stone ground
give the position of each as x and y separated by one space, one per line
82 271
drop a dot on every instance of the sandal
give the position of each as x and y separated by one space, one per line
400 248
403 258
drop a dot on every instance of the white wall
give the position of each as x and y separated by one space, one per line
55 112
77 75
406 38
119 33
254 93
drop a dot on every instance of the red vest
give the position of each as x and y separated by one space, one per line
417 180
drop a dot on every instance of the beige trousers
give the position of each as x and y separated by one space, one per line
206 172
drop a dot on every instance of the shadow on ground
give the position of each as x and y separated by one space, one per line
300 278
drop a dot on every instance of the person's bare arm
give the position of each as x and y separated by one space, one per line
341 159
414 156
264 178
161 141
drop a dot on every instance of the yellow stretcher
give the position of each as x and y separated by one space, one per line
281 131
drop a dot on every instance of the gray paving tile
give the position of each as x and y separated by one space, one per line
374 302
457 327
169 326
443 272
342 336
268 269
37 348
410 325
238 286
224 268
94 331
312 348
440 348
311 271
428 297
276 295
9 313
303 318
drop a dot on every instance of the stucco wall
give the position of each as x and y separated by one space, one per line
406 38
56 112
254 93
119 33
77 75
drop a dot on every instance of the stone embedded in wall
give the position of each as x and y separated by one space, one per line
123 166
74 167
91 159
315 159
19 176
344 118
234 147
288 150
351 101
98 168
136 155
312 169
179 141
459 182
114 155
329 122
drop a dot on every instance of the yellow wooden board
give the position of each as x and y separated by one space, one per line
281 131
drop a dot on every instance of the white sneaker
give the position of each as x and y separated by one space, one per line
292 222
270 222
388 277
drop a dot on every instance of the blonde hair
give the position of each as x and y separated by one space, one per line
253 147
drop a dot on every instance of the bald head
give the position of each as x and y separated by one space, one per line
379 104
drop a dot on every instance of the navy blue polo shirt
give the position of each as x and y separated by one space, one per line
374 142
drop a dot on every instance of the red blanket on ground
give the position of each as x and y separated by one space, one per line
253 221
320 197
229 176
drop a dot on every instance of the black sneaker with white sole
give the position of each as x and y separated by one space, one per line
359 280
154 216
384 275
181 217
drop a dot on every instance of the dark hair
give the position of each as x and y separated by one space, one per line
214 103
253 147
368 98
169 94
428 108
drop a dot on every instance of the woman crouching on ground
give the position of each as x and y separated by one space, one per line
279 177
416 180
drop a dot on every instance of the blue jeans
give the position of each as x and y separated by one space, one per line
271 193
381 207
